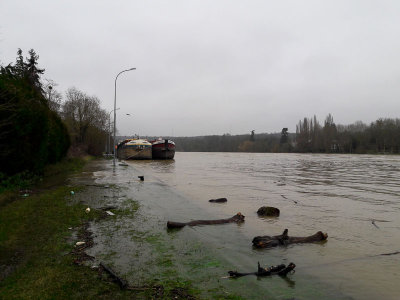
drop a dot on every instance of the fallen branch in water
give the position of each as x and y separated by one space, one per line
386 254
373 223
121 282
238 218
281 270
218 200
283 239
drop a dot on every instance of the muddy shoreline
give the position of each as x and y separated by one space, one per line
102 199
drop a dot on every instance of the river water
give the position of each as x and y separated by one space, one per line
353 198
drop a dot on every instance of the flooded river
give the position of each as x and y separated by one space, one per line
354 198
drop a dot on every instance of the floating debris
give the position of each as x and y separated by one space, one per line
268 211
141 178
281 270
284 197
373 223
110 213
218 200
238 218
284 239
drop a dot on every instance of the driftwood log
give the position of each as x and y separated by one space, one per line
238 218
218 200
281 270
283 239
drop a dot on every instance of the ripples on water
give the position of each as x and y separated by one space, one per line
338 194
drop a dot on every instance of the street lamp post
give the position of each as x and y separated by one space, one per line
109 131
115 108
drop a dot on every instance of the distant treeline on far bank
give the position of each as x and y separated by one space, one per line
381 136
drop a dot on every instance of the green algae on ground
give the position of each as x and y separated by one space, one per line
34 247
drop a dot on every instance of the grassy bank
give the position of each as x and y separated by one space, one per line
35 251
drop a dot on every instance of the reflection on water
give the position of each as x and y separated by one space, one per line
354 198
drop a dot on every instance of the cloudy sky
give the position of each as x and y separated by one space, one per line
213 67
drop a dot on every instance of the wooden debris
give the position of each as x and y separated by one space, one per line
283 239
268 211
238 218
121 282
281 270
218 200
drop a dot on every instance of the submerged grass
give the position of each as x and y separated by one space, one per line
34 250
35 246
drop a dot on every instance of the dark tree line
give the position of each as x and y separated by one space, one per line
36 127
381 136
235 143
31 135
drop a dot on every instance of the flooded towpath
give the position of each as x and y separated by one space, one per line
340 195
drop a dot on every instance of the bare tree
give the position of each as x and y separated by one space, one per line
53 97
84 118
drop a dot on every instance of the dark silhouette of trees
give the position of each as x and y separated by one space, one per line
228 143
31 135
329 134
252 136
284 136
381 136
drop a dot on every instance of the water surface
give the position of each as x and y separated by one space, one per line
337 194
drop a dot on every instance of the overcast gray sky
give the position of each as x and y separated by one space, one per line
214 67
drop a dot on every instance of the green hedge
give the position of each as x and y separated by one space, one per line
31 135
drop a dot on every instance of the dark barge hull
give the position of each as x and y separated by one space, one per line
164 150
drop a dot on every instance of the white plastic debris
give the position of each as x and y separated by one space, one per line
110 213
87 210
79 243
72 192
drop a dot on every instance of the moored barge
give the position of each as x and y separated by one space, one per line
163 149
134 149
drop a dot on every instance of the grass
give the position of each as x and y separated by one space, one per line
52 173
34 248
